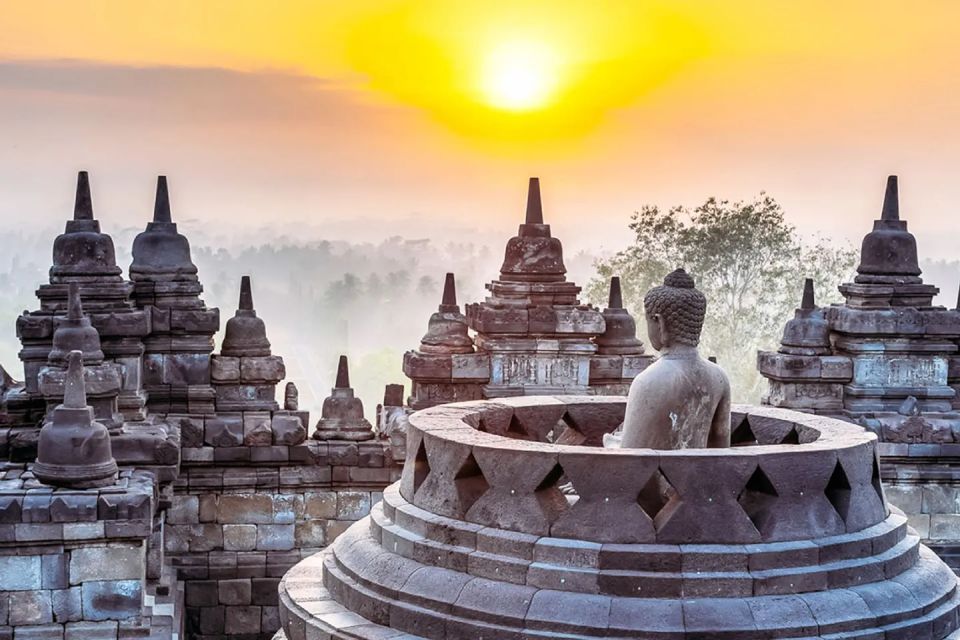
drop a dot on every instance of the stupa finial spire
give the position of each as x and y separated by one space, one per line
74 392
534 206
161 206
74 304
808 301
891 200
343 374
615 300
83 205
246 295
449 291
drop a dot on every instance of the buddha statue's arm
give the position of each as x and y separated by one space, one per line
720 427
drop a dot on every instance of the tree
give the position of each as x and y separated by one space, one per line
748 261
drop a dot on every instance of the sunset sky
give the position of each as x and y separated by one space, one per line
372 118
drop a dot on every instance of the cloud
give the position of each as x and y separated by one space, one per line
170 92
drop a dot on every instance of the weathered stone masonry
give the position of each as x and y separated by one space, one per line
219 492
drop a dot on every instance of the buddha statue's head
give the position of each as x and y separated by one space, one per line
675 311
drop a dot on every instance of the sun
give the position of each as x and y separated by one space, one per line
520 76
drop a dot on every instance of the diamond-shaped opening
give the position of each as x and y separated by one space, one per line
655 495
517 431
470 482
482 426
838 491
550 495
551 479
421 467
757 498
742 435
566 432
792 437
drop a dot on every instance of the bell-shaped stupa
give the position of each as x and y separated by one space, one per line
620 335
160 252
74 450
342 415
246 335
75 333
447 327
82 252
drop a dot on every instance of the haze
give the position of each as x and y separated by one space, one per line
293 122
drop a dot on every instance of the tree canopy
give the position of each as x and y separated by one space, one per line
748 261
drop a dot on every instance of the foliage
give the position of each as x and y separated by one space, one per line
748 261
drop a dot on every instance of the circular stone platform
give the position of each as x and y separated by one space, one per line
786 535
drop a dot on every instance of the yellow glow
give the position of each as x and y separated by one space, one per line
520 76
520 72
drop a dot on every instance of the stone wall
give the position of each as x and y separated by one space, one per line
82 565
233 530
922 480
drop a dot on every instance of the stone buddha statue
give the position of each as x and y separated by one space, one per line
682 400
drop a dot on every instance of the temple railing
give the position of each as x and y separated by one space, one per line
789 476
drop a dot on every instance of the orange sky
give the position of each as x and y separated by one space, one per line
427 115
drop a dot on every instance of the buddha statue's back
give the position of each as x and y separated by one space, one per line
682 400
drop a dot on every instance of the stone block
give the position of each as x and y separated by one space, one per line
275 537
939 499
66 605
257 435
245 509
234 592
945 526
54 570
211 620
191 432
36 508
4 609
287 508
11 508
184 510
288 429
201 593
473 367
39 632
239 537
310 534
20 573
242 620
90 630
111 599
208 508
186 369
223 431
268 369
30 607
224 369
83 530
352 505
269 619
264 591
908 497
920 523
270 454
73 508
321 504
198 454
334 528
115 562
183 538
